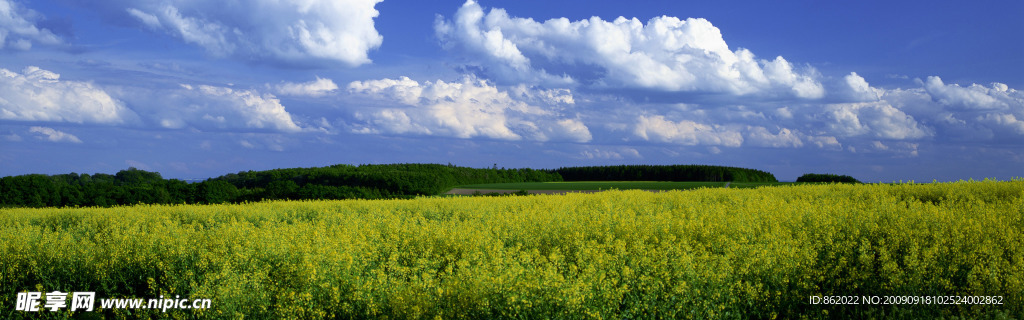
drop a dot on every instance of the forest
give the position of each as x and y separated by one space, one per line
825 177
342 181
134 186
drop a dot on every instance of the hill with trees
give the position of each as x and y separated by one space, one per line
824 177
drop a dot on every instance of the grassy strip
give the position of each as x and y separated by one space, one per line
596 185
751 185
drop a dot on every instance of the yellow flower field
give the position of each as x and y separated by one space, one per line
706 253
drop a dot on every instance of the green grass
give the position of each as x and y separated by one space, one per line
751 185
595 185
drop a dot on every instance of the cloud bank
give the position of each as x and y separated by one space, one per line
896 121
219 108
39 95
53 135
685 132
281 31
18 28
315 88
466 109
665 54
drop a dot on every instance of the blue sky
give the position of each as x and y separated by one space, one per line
879 90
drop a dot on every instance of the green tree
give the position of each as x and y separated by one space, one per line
216 191
281 189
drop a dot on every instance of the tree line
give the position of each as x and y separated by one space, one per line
133 186
384 181
371 181
826 177
664 173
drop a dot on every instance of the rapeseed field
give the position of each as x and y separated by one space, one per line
707 253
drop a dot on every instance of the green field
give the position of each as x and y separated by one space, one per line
627 185
746 185
596 185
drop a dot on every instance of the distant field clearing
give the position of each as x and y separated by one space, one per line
595 185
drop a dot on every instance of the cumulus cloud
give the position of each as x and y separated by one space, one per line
207 107
785 138
465 109
766 102
973 97
858 89
784 113
315 88
1006 121
545 96
18 28
879 120
971 113
666 54
52 135
902 148
39 95
283 31
824 142
612 154
685 132
224 108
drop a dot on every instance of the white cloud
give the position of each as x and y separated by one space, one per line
18 29
223 107
666 53
880 146
972 113
1007 121
208 34
465 109
405 90
824 142
550 96
211 108
857 89
53 135
901 148
781 73
39 95
615 154
284 31
784 113
879 120
315 88
149 20
685 132
973 97
785 138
